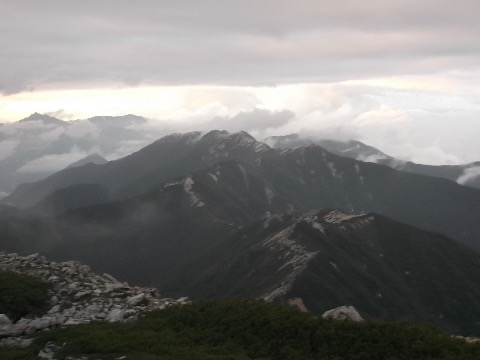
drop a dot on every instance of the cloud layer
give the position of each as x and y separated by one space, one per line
46 44
403 76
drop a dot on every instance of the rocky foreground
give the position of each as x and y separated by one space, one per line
78 296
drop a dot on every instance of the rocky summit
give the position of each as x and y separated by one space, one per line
77 296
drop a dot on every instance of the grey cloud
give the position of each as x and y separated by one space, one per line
470 174
127 147
52 162
47 44
61 114
8 148
256 122
82 130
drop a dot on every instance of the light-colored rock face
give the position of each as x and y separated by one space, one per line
343 313
293 255
77 296
4 320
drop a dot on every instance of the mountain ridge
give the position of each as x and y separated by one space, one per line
464 174
326 258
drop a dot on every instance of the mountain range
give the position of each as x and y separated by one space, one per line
274 180
39 145
223 215
466 174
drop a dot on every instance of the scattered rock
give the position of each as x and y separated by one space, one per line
115 315
16 342
12 330
136 300
37 324
343 313
4 320
49 351
78 296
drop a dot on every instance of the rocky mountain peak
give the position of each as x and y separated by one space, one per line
46 119
241 139
215 134
89 159
193 135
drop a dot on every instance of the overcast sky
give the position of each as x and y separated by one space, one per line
403 76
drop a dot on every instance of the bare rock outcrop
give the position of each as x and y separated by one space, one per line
77 296
343 313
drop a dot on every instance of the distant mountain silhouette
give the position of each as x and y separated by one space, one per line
89 159
466 174
35 147
163 160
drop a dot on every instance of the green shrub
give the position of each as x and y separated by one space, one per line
240 330
29 353
21 295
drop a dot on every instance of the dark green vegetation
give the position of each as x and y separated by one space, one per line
251 330
21 295
29 353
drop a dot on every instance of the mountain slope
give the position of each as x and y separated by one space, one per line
325 259
351 148
190 214
92 158
163 160
310 177
303 178
159 238
466 174
157 232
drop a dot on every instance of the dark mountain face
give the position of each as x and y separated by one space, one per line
237 192
351 148
156 231
303 178
310 178
467 174
76 196
324 259
143 239
163 160
199 195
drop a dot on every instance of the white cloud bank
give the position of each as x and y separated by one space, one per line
52 162
470 174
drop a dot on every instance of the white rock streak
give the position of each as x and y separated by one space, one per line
294 255
187 186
